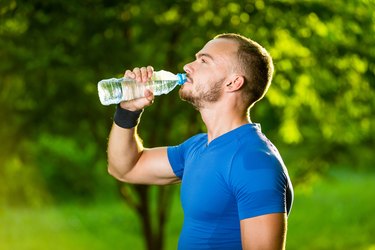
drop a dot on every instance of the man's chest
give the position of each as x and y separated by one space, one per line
205 190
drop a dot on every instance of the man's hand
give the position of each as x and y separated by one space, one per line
128 160
141 75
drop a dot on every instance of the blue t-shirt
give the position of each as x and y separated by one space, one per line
236 176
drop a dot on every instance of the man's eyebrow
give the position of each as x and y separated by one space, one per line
199 55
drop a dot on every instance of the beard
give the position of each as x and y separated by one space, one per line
202 96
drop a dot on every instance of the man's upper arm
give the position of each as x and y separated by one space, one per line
264 232
153 167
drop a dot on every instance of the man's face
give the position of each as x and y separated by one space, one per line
209 72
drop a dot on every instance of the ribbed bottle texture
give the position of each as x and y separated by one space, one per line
116 90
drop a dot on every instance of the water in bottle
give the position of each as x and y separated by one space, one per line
116 90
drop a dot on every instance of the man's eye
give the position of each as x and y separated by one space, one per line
203 61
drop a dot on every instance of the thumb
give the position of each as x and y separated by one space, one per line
149 96
139 103
145 101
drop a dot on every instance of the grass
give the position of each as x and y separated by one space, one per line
333 213
99 227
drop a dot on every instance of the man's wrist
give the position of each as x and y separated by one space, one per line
125 118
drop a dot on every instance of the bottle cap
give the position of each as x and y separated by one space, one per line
181 78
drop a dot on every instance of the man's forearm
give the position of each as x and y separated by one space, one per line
124 146
124 150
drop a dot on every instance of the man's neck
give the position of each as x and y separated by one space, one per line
220 120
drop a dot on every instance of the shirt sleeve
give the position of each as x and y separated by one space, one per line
177 155
176 159
259 184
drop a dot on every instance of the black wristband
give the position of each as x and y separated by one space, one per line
125 118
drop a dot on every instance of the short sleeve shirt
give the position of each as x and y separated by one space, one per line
236 176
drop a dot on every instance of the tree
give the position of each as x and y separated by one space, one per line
52 53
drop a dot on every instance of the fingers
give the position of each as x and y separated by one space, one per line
129 74
140 74
150 71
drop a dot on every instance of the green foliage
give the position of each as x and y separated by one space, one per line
63 162
52 53
53 130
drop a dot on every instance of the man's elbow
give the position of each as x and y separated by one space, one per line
111 171
114 172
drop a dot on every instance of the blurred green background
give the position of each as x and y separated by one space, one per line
55 192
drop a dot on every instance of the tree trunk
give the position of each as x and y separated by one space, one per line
152 211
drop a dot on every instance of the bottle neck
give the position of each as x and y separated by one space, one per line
181 78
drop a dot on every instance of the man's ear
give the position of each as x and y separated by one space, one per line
236 83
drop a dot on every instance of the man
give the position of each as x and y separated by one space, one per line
235 191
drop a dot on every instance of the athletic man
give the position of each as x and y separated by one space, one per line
236 192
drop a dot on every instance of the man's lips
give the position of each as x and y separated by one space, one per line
189 80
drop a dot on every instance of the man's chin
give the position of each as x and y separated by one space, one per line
182 93
187 97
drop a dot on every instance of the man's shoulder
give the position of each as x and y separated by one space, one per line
198 138
192 142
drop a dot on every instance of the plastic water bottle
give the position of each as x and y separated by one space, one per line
116 90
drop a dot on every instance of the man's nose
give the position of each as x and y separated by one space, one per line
188 68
